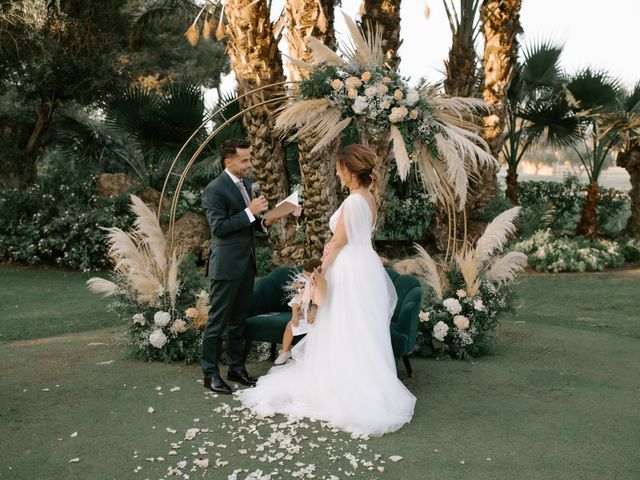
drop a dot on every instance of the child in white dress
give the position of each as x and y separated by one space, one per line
303 310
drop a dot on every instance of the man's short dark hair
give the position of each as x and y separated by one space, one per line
230 146
311 265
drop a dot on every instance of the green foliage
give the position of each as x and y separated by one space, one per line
263 259
566 198
405 219
59 223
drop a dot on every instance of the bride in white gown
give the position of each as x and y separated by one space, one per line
344 371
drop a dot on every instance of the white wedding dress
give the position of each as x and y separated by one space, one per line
343 372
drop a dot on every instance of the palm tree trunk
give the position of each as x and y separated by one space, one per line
460 81
386 14
39 128
588 224
512 186
629 159
256 62
318 178
500 27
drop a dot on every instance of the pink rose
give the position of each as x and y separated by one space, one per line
366 76
461 322
398 95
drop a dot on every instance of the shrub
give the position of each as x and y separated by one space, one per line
59 224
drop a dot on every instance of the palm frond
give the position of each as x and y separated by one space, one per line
331 134
496 234
594 91
363 51
430 268
505 268
454 167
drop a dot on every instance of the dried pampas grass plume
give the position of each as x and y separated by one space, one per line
505 268
496 234
430 269
102 286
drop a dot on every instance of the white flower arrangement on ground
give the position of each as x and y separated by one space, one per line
548 253
468 294
158 291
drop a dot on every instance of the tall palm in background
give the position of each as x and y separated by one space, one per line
385 14
319 187
536 106
461 80
462 63
253 50
629 155
500 28
596 99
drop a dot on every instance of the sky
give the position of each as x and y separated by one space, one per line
594 33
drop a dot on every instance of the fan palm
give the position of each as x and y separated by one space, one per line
158 124
536 105
596 99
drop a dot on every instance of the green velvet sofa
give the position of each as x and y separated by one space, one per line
270 313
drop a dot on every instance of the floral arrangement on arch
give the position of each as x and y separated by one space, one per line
157 291
354 88
468 293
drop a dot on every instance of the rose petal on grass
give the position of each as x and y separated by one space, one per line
74 460
395 458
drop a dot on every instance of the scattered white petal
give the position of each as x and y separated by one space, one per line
171 430
158 388
395 458
74 434
462 462
108 362
175 389
488 459
74 460
94 344
45 389
151 410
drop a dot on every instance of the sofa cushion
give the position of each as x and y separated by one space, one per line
267 327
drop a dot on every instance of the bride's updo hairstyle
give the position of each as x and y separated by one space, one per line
359 160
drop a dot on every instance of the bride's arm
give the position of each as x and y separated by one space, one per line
338 240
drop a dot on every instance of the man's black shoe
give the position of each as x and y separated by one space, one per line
242 377
216 385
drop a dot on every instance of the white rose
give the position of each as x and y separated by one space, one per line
423 316
382 89
139 318
452 305
440 330
478 305
360 104
157 338
412 97
162 319
371 91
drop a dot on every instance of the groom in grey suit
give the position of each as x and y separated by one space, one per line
233 218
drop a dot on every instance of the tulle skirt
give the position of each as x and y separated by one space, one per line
343 372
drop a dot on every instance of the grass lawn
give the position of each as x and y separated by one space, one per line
40 303
557 400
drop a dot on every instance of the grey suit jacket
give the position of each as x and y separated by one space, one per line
232 233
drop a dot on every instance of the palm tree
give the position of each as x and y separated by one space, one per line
596 99
461 80
462 66
628 125
318 180
536 105
256 61
385 14
500 28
